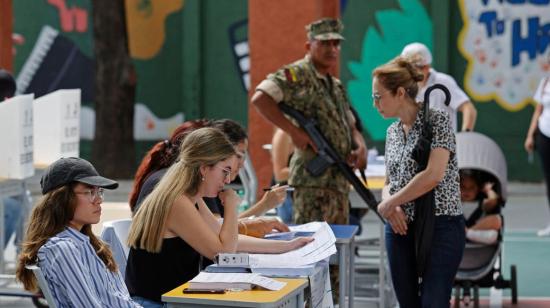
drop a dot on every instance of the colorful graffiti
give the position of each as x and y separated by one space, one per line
397 28
238 40
72 18
56 62
146 21
505 43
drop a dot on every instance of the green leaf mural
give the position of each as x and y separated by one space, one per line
398 28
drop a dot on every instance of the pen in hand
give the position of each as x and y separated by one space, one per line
270 188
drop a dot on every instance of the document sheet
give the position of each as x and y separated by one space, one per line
321 248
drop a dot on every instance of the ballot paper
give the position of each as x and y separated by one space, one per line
287 236
206 280
322 247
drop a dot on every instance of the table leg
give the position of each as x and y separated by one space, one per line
342 272
351 273
2 269
382 268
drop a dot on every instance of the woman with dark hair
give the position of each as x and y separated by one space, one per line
78 267
238 137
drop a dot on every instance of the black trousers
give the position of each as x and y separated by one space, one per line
543 148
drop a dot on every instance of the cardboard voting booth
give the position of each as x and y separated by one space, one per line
16 139
56 126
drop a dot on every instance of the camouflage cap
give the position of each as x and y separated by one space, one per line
325 29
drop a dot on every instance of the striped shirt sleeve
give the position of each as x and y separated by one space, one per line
77 276
64 270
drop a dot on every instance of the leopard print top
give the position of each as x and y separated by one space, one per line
401 167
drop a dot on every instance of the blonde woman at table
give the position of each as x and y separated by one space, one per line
173 227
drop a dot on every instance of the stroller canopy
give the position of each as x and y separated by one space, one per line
477 151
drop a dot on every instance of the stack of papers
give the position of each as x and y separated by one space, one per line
322 247
287 236
244 281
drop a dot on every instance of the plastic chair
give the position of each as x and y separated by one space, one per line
42 283
249 181
115 233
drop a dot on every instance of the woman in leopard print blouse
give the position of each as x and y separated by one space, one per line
394 90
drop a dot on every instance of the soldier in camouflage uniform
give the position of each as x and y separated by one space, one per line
307 86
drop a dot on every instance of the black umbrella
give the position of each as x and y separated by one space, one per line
424 205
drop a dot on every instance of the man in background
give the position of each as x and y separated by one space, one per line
422 59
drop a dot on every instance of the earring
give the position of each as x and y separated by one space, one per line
202 178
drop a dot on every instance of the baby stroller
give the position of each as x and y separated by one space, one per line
481 265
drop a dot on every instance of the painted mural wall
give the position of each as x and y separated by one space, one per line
193 61
505 44
189 55
495 49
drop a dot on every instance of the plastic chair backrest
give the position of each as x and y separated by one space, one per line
42 283
249 180
115 233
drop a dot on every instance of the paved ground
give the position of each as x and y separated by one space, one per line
526 211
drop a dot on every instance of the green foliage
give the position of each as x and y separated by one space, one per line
397 28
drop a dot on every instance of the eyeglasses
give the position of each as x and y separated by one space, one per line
93 194
376 97
240 155
226 172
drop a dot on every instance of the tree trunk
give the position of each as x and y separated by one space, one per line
113 149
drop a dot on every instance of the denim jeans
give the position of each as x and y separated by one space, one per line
13 209
285 210
445 256
147 303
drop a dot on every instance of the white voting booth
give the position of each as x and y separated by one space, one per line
16 161
56 126
34 132
16 125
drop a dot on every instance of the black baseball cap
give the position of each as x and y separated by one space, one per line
73 169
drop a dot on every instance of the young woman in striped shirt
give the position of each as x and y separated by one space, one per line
78 267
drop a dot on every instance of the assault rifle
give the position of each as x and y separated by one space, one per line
327 156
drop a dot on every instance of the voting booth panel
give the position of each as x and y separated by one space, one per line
56 126
16 125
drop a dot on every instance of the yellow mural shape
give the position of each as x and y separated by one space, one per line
146 25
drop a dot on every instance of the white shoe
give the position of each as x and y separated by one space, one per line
482 236
544 232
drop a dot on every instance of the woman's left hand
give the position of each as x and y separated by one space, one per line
398 221
259 227
229 199
299 242
386 208
272 198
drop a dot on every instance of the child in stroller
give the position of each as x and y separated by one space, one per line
480 159
484 224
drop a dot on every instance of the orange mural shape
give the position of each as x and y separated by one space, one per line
146 25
